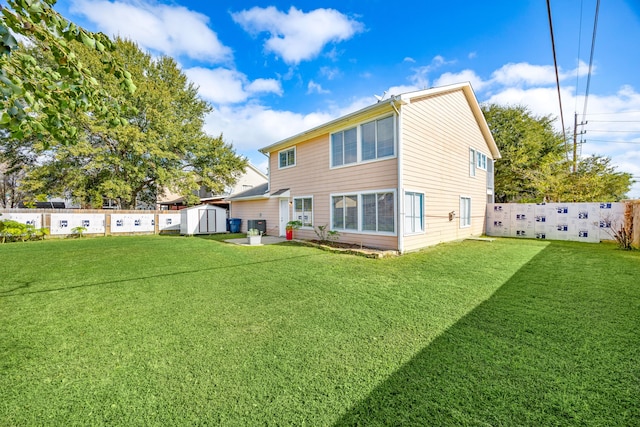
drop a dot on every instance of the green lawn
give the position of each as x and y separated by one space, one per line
162 330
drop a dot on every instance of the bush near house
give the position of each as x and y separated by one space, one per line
12 231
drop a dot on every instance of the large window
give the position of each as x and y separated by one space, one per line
368 141
287 158
378 212
413 212
366 212
345 212
303 210
465 212
344 147
377 139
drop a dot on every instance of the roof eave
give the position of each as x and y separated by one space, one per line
324 128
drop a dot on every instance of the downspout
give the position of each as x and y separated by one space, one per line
400 197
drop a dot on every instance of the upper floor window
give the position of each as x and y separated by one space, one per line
377 139
287 158
481 160
344 147
368 141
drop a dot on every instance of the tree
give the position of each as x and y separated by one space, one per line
534 165
162 147
596 180
37 99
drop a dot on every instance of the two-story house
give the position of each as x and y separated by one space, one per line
407 172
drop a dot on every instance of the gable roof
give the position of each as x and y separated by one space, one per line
393 104
258 192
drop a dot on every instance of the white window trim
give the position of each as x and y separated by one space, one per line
359 160
472 162
295 157
359 194
312 210
424 215
460 212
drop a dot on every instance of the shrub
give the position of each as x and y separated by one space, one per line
326 235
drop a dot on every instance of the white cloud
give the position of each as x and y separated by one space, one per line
329 72
420 77
314 87
297 36
522 73
170 30
463 76
264 86
224 86
250 127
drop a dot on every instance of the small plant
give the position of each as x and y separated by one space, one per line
254 232
623 236
39 233
294 225
78 231
623 233
326 235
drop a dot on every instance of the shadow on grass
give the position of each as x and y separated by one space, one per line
12 292
557 344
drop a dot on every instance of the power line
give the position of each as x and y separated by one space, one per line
616 113
593 45
611 142
555 63
614 131
614 121
575 109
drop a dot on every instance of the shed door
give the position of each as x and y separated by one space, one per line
207 222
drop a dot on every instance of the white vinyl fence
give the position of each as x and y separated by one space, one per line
584 222
62 222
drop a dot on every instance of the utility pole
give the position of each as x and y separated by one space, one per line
575 141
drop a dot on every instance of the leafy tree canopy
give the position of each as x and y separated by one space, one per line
535 167
163 146
38 99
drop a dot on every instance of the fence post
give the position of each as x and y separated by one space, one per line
635 224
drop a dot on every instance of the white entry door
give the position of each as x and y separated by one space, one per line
284 216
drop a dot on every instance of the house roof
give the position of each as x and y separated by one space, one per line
281 192
391 104
258 192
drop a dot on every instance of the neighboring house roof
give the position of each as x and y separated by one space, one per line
394 102
45 205
258 192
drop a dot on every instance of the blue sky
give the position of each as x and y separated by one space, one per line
273 69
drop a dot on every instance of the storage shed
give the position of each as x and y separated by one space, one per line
203 219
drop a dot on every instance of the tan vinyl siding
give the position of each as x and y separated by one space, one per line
437 134
266 209
312 176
